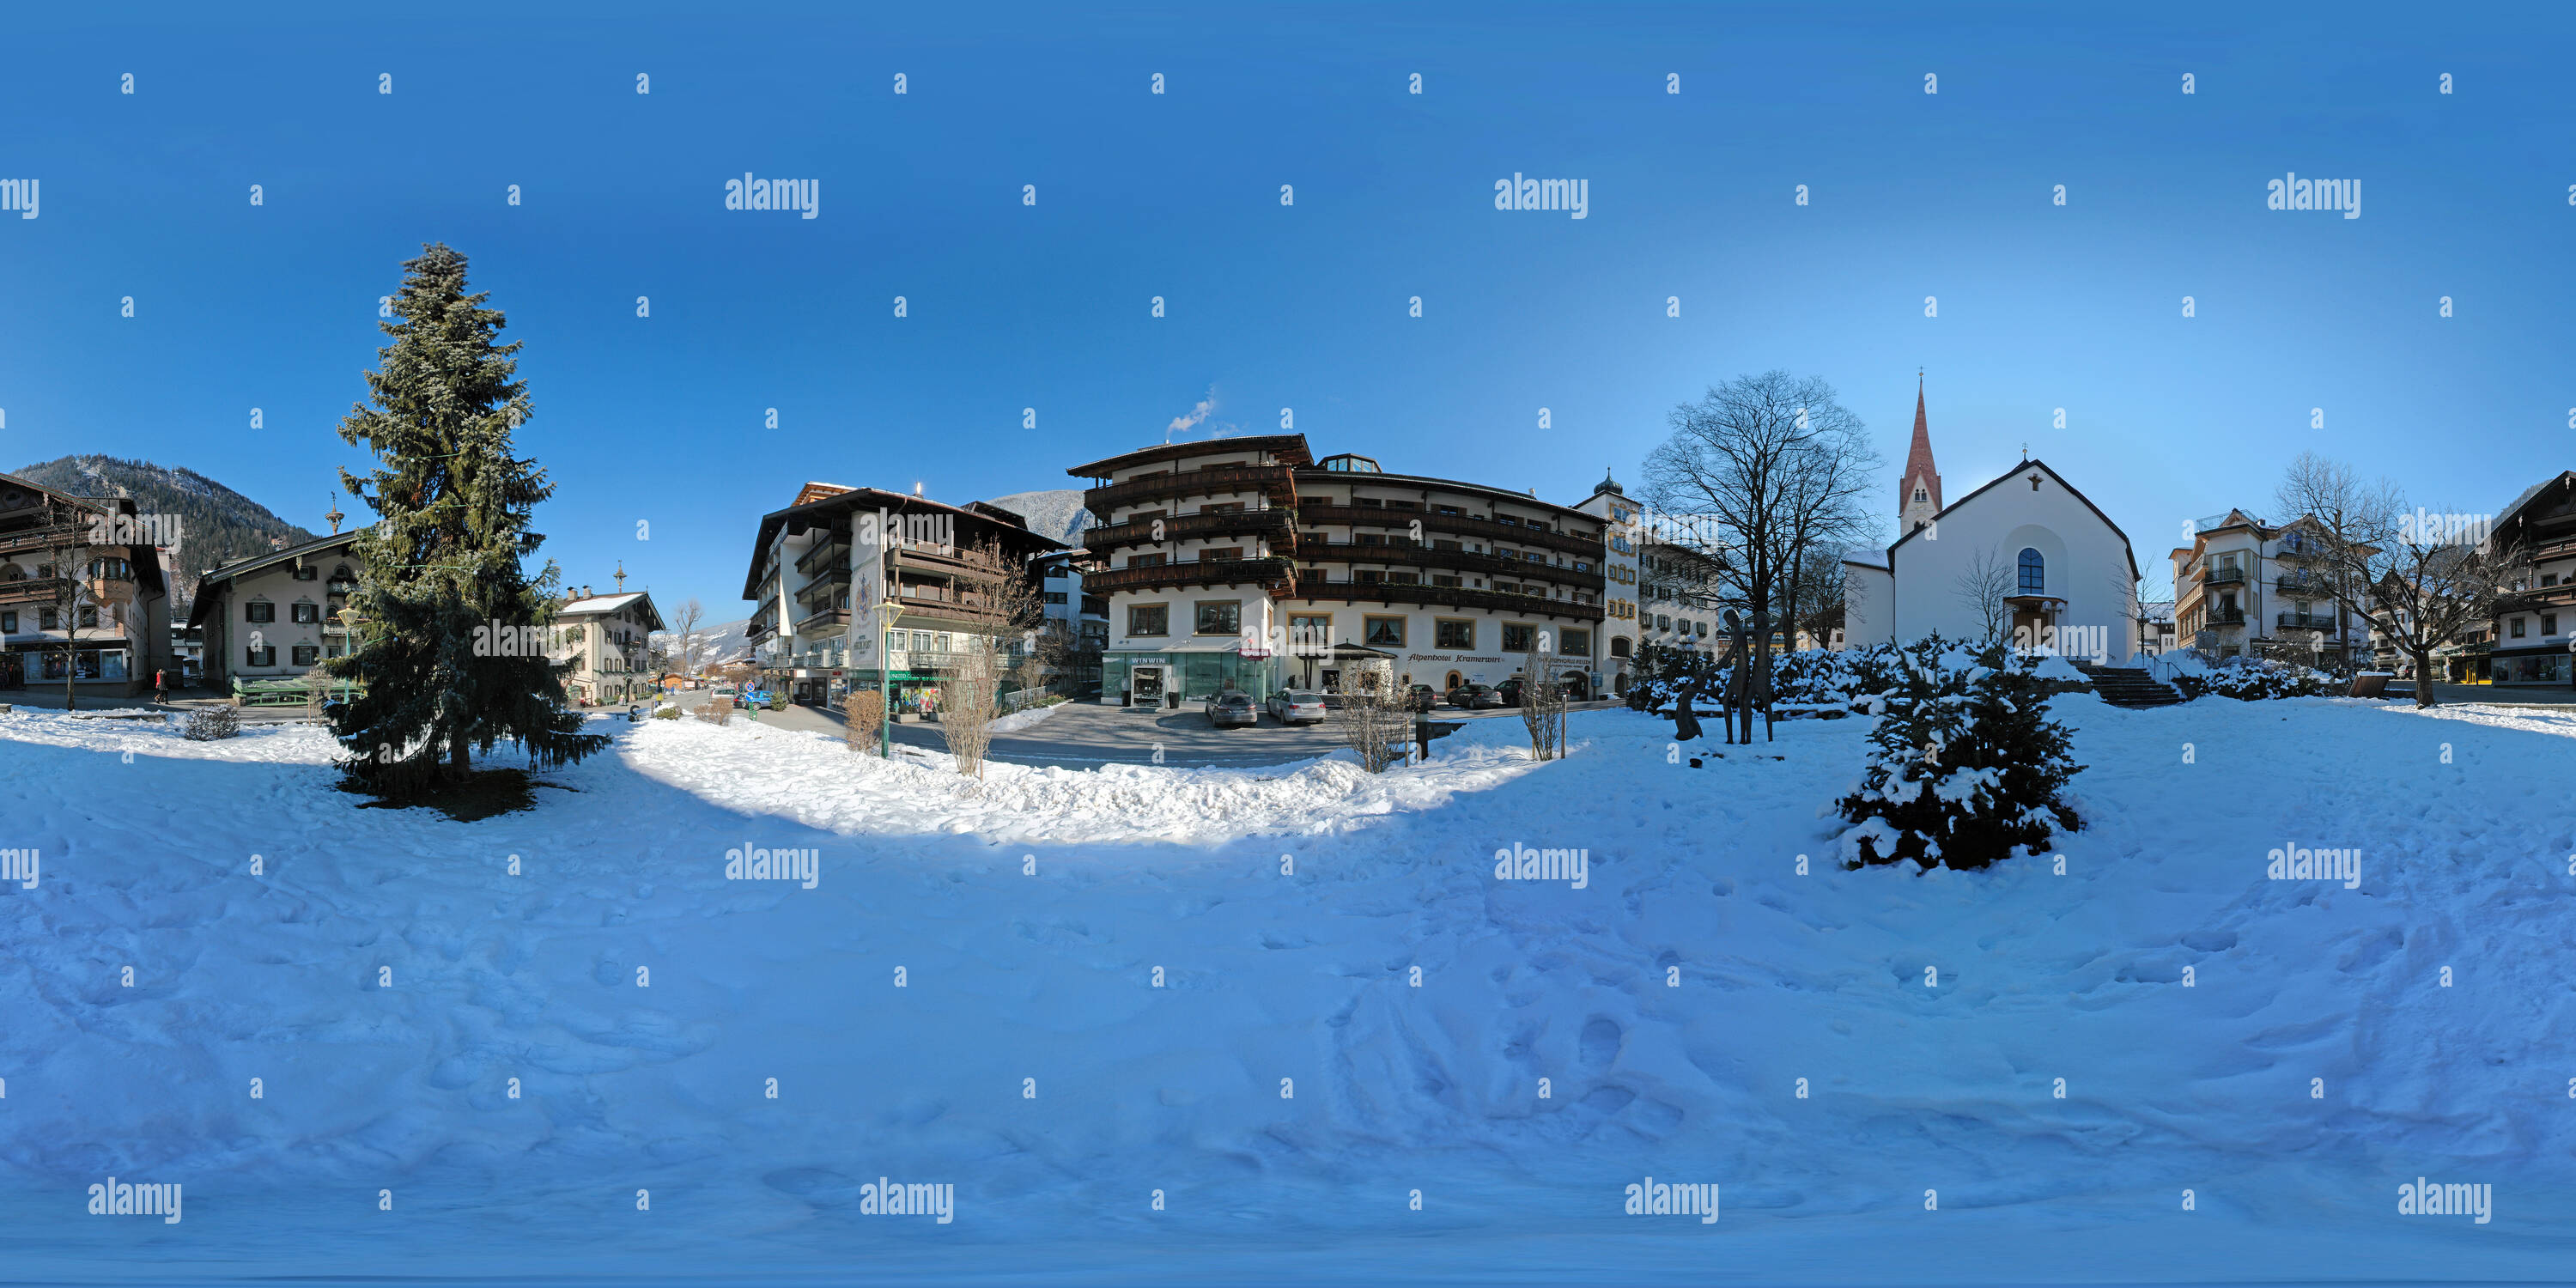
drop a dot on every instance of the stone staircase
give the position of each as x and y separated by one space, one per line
2125 687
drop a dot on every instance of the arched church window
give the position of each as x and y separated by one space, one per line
2034 572
1921 496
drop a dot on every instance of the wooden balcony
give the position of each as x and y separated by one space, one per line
1276 482
1278 526
1489 564
1486 531
1271 574
832 553
1314 586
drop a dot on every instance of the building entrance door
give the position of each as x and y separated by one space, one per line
1149 686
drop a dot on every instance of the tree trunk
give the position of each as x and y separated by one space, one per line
459 765
2424 677
71 664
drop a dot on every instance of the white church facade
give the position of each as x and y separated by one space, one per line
2063 572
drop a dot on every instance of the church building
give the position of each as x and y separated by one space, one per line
2025 557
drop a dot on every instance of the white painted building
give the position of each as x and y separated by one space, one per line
2069 578
608 639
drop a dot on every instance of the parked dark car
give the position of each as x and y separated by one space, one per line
1232 709
1419 697
1510 691
1475 697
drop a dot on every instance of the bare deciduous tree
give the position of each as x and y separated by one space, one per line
966 701
684 623
2424 589
866 712
74 594
1542 706
2335 505
1369 719
1981 588
1781 468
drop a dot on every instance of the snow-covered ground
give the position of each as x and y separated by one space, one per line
385 978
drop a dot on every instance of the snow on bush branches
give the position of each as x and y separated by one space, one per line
1965 767
2250 679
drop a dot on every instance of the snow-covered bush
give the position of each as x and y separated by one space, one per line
1660 671
666 712
1965 767
1827 684
208 724
2249 679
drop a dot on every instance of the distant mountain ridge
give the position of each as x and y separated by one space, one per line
216 523
718 643
1056 512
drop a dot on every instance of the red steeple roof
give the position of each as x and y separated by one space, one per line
1918 458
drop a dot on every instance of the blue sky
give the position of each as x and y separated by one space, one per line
1949 195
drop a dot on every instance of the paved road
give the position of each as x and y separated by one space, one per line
1082 734
2509 695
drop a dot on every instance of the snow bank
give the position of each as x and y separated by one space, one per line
387 976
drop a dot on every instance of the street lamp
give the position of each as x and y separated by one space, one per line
884 611
348 616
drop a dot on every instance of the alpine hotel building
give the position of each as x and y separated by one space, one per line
1243 563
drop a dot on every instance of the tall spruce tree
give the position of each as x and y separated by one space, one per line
444 558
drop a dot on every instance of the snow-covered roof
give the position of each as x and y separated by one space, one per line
1873 558
599 604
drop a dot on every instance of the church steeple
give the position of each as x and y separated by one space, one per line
1918 490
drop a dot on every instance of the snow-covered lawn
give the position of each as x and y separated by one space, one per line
1286 911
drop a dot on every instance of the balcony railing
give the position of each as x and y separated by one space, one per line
1466 560
1453 525
818 620
2312 587
2226 617
2221 576
340 586
2304 622
1277 482
825 554
1314 586
1275 524
1271 573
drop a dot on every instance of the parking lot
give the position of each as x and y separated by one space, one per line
1082 734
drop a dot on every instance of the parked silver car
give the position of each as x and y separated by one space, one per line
1296 706
1232 709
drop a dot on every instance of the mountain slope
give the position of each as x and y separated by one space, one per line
1056 512
215 522
718 642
